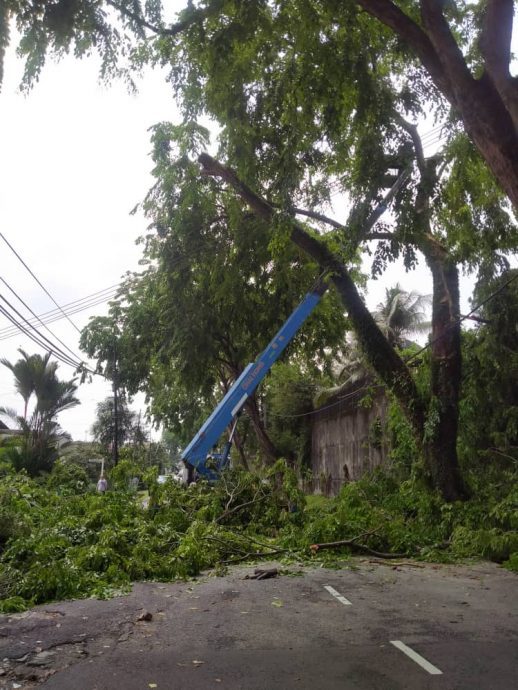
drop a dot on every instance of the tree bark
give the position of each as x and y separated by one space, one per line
267 447
440 434
239 444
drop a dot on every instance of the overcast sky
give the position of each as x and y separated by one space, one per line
74 160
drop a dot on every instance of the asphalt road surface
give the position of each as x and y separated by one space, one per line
366 626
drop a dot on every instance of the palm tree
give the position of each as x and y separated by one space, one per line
41 436
24 372
402 314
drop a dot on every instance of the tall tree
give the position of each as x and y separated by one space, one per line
449 53
213 296
314 97
104 430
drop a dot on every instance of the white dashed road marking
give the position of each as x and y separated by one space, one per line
433 670
337 595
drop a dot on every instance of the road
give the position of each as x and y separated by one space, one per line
366 626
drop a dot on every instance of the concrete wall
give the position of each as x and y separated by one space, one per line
344 443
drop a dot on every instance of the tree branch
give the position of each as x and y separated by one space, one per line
411 129
352 544
383 358
173 30
495 39
371 219
317 216
446 47
392 16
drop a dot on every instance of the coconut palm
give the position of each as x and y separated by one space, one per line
402 314
40 434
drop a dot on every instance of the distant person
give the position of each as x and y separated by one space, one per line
102 485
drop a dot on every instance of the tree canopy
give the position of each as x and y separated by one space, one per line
218 284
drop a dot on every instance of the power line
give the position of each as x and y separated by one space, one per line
432 133
39 335
7 333
40 339
55 315
75 355
97 293
34 338
37 280
464 317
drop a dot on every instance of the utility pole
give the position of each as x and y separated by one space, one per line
115 444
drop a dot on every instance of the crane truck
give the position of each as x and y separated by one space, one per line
198 456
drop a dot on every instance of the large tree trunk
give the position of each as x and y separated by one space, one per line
268 450
440 437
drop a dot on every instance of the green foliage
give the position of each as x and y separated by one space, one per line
103 428
288 397
68 478
401 439
489 407
209 258
58 27
64 544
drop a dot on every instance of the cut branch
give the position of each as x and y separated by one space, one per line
352 544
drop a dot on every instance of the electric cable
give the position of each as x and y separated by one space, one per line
74 354
42 338
32 337
9 331
37 280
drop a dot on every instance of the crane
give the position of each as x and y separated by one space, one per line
198 455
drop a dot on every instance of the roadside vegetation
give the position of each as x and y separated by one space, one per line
59 539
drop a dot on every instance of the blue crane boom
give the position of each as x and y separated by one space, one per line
196 453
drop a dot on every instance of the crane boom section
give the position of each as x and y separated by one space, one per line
206 438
